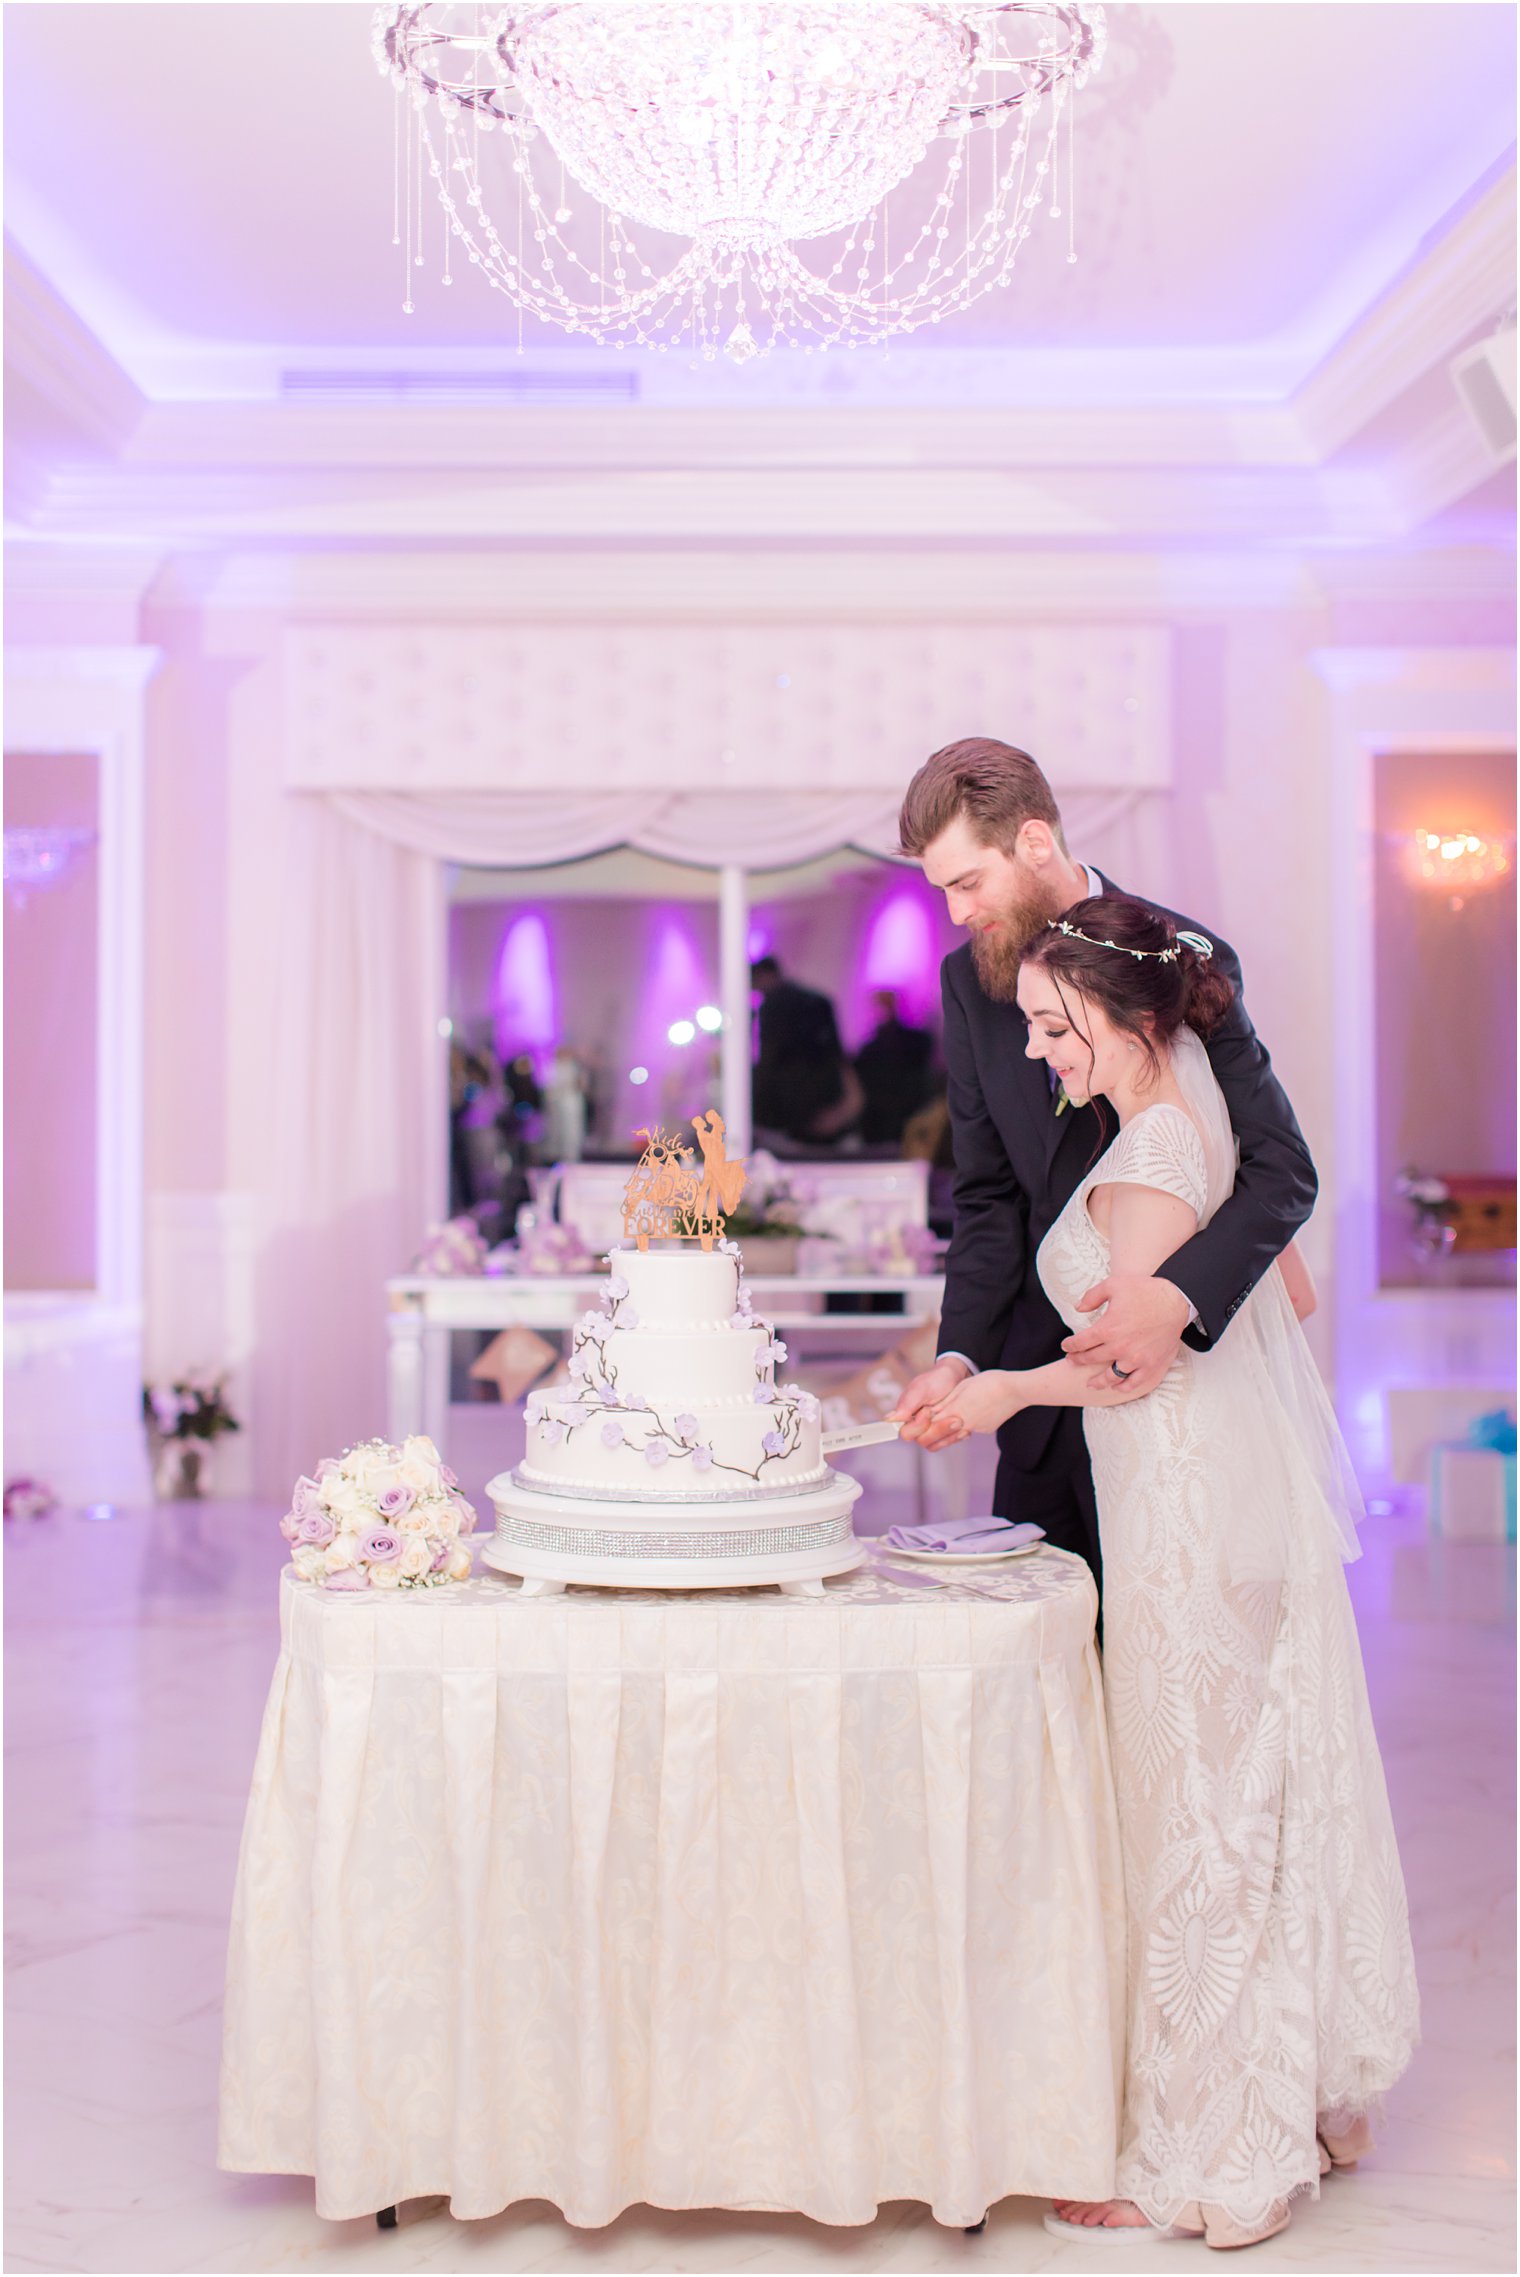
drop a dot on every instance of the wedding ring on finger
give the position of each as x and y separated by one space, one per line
1123 1374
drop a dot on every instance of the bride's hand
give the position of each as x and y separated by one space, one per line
979 1404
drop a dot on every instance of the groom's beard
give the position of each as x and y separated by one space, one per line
997 955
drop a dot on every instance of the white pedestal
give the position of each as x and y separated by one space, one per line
795 1541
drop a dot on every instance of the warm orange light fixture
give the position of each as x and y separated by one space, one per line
1457 862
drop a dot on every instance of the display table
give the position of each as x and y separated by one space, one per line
750 1901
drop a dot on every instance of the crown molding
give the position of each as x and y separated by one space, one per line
1432 671
246 589
48 348
823 505
1439 465
1466 281
369 438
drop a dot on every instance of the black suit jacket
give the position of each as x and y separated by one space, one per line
1018 1163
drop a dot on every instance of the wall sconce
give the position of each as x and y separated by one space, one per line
1457 862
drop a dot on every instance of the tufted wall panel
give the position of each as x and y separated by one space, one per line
662 707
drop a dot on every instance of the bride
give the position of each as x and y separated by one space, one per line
1272 1996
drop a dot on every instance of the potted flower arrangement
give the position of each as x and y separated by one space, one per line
381 1518
183 1418
766 1224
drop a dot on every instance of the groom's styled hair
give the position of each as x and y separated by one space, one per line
996 787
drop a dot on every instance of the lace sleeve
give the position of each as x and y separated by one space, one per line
1160 1148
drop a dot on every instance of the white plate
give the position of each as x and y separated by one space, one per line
954 1557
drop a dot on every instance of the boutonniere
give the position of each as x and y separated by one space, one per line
1064 1099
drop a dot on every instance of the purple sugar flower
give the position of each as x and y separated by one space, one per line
314 1526
380 1546
655 1453
807 1407
616 1289
346 1577
774 1443
578 1364
686 1427
552 1431
607 1395
395 1501
778 1350
629 1319
701 1458
612 1434
764 1394
637 1399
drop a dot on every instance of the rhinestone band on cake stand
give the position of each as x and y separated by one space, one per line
794 1541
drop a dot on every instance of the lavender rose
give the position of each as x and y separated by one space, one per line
346 1577
395 1501
314 1526
448 1476
307 1497
380 1546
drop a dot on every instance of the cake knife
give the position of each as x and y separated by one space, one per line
859 1435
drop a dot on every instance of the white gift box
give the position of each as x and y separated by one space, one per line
1469 1494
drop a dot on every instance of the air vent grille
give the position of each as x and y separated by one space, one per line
528 387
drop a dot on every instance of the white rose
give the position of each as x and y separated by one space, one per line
416 1558
342 1551
373 1469
420 1449
422 1478
309 1562
343 1498
458 1567
385 1576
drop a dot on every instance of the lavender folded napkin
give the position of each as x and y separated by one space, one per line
970 1537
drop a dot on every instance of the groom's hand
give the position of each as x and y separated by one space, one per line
1139 1332
914 1411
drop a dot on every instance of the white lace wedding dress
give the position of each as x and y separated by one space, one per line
1270 1973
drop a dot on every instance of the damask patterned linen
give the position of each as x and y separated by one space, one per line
736 1900
1271 1979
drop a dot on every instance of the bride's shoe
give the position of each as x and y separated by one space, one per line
1343 2151
1225 2234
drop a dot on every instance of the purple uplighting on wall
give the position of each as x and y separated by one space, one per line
523 998
900 952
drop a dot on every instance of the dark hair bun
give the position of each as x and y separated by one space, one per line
1207 994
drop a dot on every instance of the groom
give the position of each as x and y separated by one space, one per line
980 818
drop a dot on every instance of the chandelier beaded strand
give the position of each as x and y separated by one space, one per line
747 131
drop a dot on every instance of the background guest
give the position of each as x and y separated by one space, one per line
804 1087
895 1067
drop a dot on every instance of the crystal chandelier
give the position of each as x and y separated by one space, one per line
718 142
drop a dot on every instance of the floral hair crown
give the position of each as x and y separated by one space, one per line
1195 941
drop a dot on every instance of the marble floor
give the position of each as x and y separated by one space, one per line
139 1649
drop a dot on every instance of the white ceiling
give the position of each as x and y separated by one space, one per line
208 185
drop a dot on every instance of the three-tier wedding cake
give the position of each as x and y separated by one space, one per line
673 1458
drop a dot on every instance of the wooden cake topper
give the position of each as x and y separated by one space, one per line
669 1199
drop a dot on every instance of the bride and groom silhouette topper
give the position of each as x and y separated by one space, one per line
669 1199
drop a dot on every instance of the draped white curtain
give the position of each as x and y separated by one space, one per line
759 830
355 1061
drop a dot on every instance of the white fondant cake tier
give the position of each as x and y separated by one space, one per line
678 1285
673 1392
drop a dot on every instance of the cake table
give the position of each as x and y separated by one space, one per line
720 1900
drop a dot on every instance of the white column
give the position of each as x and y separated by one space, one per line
733 963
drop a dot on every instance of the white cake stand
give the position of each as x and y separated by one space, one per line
792 1541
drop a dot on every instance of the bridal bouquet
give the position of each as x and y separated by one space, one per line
382 1518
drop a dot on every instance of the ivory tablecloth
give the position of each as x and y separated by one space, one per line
735 1900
